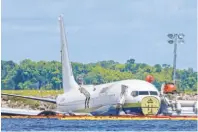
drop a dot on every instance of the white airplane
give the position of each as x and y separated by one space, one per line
129 96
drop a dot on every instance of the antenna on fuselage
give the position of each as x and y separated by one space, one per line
68 80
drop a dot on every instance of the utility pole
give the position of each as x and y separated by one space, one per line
175 39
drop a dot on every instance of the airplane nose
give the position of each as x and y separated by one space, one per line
150 105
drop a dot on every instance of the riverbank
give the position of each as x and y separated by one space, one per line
21 103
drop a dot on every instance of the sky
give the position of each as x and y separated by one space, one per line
100 30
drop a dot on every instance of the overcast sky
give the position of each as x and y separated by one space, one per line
100 30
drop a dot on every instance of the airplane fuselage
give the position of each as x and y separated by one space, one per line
130 96
108 96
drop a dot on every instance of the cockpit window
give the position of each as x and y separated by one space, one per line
134 93
153 93
143 93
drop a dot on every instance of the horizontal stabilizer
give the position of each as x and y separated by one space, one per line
11 111
25 112
33 98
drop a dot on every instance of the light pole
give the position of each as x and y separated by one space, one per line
175 39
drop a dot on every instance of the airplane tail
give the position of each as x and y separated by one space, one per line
68 80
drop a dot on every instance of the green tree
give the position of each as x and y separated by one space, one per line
29 74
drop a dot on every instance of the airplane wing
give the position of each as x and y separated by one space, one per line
33 98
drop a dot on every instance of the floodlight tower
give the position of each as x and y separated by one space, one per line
175 39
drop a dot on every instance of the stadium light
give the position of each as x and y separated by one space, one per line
175 39
170 41
181 36
171 36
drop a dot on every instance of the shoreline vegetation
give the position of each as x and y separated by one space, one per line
44 79
47 75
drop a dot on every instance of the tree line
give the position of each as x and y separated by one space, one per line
47 75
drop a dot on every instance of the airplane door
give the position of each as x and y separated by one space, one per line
124 90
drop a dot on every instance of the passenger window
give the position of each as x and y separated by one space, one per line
153 93
143 93
134 93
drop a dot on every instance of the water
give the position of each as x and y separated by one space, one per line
80 125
